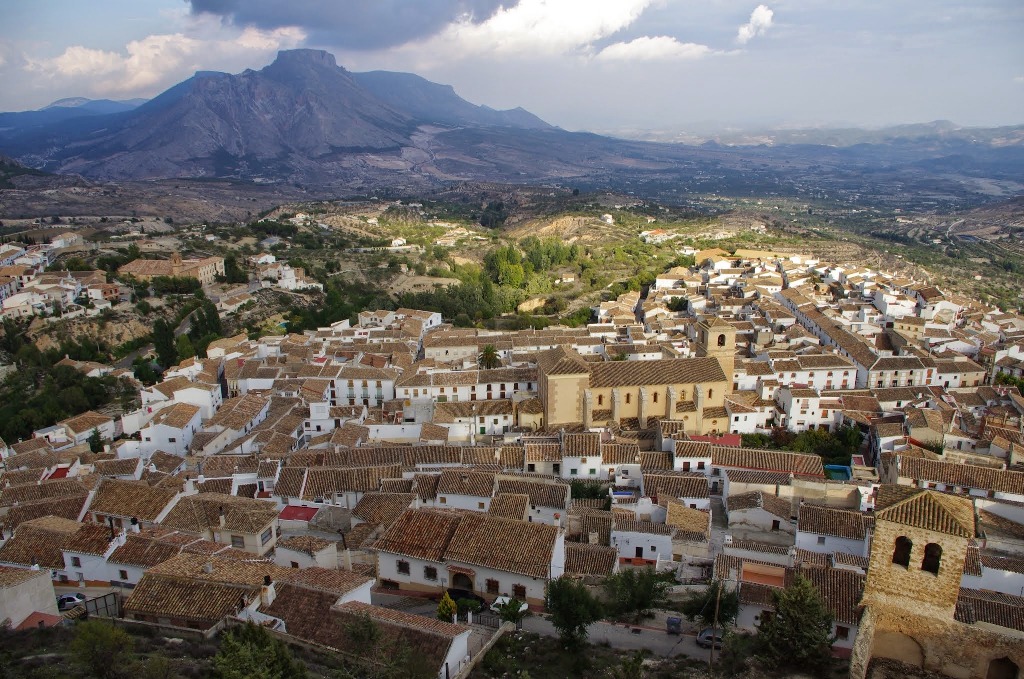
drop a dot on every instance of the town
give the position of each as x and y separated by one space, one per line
754 418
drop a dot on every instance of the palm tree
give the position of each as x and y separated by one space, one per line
489 358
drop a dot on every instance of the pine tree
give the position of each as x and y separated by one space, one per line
798 634
573 609
164 343
446 608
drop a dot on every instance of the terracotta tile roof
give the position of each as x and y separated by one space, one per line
193 566
963 475
421 534
197 513
510 506
40 540
134 499
762 547
758 477
841 589
307 544
758 500
690 524
620 453
594 521
1011 564
176 598
1003 610
676 485
932 511
12 577
64 506
992 523
87 421
586 559
662 371
769 460
582 445
655 461
466 482
503 544
556 495
693 449
143 551
823 520
90 538
43 491
382 508
623 524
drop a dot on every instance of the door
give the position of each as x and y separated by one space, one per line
639 552
462 581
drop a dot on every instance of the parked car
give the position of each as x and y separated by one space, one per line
66 602
502 600
709 637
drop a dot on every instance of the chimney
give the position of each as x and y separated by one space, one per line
190 486
110 520
35 564
221 517
135 528
208 567
592 537
267 592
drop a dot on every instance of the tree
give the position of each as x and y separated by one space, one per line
635 592
573 609
251 651
700 605
95 441
798 634
164 343
446 608
101 648
489 358
512 611
183 346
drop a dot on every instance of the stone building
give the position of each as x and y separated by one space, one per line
574 390
914 609
204 270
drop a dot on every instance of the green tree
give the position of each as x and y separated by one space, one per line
573 609
700 605
799 633
183 346
636 592
101 648
233 273
95 441
250 651
512 611
446 608
489 358
164 343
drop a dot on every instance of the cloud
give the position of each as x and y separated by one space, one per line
760 21
156 61
353 24
1019 79
653 48
544 27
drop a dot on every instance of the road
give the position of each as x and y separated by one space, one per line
650 637
127 361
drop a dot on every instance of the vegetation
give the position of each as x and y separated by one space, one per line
634 593
700 605
798 635
1003 378
489 358
573 609
446 608
101 648
251 651
834 447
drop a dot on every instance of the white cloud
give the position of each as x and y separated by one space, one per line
760 21
152 63
545 27
1019 79
648 48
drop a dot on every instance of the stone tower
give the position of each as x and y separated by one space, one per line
717 339
176 264
918 550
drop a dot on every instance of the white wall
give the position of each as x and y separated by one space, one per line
20 601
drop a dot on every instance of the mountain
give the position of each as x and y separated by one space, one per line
97 106
432 103
302 118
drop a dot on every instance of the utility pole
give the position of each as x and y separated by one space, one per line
714 627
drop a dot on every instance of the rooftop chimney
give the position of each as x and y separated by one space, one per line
135 528
221 517
267 592
208 567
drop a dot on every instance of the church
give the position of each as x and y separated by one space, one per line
636 394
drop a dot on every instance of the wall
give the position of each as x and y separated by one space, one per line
21 600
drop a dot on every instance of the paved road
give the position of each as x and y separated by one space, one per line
650 638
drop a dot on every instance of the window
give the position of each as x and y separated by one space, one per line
593 471
842 633
901 553
76 562
492 586
628 398
266 535
429 573
655 397
932 557
123 575
479 505
238 541
600 399
721 340
171 439
700 465
442 500
403 567
519 591
295 564
573 472
821 539
776 525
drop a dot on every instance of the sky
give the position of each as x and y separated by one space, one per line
599 65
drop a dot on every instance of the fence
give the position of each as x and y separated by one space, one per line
106 606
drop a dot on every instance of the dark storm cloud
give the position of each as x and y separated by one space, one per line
353 24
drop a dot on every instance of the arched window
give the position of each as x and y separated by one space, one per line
628 397
932 557
600 399
901 555
721 340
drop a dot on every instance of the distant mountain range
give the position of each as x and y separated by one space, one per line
307 122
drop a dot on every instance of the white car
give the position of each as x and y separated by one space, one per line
66 602
502 600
